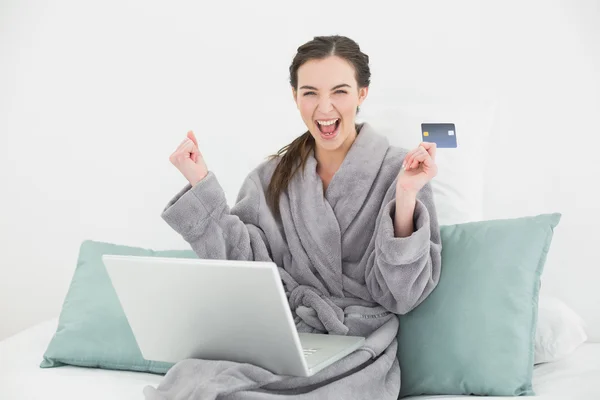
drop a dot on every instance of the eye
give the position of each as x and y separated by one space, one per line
307 93
341 91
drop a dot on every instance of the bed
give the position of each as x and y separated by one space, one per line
576 377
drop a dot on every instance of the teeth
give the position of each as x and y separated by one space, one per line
326 123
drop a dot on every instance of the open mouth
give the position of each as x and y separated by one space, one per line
328 130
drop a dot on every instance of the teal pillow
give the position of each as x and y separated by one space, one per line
474 334
92 328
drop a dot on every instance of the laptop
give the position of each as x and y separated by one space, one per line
180 308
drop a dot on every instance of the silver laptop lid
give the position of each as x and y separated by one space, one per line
210 309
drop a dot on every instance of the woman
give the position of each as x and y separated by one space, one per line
349 220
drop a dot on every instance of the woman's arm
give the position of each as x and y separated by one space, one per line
404 215
402 271
200 214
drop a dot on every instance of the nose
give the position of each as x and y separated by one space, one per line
325 105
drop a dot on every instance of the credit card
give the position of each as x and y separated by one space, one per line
443 135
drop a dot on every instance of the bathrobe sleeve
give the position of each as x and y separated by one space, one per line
402 272
200 214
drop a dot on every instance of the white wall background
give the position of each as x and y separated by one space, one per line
94 97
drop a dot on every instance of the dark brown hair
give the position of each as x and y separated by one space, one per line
294 155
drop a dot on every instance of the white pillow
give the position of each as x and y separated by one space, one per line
559 330
458 187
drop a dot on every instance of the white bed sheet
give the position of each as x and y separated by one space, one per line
576 377
21 377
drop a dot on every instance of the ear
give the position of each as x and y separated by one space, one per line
362 94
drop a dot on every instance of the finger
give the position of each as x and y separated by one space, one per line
194 154
429 162
419 156
182 152
190 135
184 143
192 151
187 149
408 158
430 147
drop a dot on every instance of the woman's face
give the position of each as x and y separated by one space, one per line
327 98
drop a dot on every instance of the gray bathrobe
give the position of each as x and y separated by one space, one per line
343 270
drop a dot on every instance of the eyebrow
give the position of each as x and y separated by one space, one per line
333 88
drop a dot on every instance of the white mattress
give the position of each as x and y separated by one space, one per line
577 377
